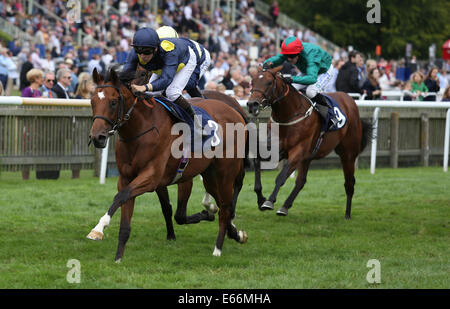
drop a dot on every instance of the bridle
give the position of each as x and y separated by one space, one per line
272 102
271 99
121 117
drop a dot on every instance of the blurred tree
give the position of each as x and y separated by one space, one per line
344 22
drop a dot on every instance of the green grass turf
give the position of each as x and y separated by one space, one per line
399 217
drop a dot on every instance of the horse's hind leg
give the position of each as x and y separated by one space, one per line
184 192
164 200
221 188
299 184
258 185
231 230
348 164
208 203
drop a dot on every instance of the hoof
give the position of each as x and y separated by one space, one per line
211 208
243 237
283 211
267 205
118 261
348 217
95 235
209 216
217 252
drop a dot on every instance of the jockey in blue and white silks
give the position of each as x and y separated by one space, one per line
173 62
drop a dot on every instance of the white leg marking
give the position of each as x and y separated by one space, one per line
104 222
217 252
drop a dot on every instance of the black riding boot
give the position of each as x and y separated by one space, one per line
183 103
322 106
195 93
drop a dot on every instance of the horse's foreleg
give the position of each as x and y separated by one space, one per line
164 199
299 184
288 168
125 228
121 197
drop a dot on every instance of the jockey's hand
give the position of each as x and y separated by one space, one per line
137 88
287 79
267 65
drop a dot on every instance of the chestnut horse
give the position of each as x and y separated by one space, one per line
300 134
145 161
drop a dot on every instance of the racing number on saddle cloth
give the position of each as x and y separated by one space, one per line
214 126
339 117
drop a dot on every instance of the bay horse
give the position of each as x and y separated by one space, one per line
145 161
141 77
299 131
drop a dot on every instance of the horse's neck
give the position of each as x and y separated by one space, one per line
290 106
142 119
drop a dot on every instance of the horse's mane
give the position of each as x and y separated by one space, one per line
124 77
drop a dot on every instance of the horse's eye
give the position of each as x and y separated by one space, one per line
113 103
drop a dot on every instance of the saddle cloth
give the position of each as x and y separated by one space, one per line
334 112
208 124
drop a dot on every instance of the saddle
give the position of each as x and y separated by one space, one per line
178 114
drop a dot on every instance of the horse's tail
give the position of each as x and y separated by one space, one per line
367 134
233 103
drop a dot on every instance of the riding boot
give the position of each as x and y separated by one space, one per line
195 93
323 107
183 103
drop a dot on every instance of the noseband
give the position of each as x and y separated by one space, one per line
122 117
271 99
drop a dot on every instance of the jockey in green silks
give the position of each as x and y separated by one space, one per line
313 62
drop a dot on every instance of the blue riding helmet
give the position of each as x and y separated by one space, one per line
146 37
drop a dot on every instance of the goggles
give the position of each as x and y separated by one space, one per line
292 56
145 50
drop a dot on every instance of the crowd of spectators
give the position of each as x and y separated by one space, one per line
383 80
236 50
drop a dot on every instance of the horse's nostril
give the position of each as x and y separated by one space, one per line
100 141
101 138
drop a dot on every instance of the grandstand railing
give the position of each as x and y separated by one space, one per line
391 94
46 132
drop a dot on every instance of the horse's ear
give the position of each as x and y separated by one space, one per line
277 69
113 77
98 79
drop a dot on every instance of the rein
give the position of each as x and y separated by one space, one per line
284 95
274 87
123 117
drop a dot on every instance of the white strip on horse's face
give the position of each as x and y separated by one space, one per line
101 95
